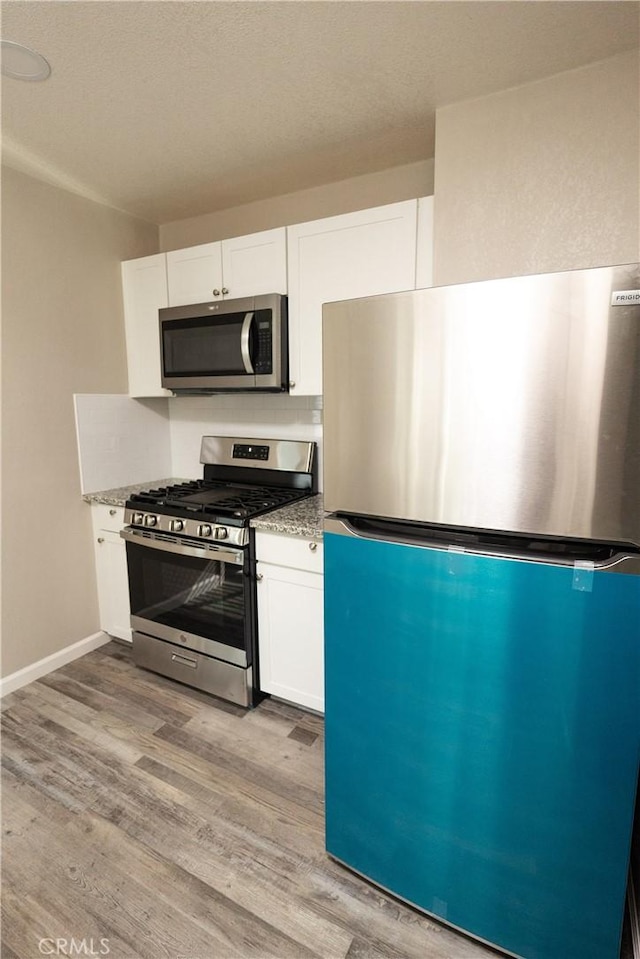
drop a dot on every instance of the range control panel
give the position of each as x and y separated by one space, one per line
161 526
242 451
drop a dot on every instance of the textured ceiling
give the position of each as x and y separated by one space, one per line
172 109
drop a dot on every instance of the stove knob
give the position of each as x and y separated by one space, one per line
150 520
176 525
204 530
137 519
221 532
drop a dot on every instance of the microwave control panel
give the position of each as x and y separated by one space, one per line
264 352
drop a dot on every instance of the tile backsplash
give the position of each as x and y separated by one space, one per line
123 440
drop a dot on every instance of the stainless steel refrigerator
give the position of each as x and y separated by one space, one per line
482 602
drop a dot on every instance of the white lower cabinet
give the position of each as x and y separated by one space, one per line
111 570
291 618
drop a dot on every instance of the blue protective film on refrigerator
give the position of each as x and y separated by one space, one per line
482 739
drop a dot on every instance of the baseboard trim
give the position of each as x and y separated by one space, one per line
47 665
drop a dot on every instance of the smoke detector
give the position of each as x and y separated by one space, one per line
21 63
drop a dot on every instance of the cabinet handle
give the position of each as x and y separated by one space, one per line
112 512
292 383
101 539
313 547
216 292
258 577
224 291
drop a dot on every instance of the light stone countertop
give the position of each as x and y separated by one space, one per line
304 518
119 495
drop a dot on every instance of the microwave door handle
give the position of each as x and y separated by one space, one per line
244 342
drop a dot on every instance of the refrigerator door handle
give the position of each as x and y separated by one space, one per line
620 562
335 524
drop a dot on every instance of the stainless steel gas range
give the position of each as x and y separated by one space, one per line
192 568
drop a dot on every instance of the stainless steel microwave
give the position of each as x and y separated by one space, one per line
232 345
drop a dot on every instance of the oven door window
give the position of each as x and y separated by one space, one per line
201 596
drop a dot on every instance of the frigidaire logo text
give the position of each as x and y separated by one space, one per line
625 297
74 947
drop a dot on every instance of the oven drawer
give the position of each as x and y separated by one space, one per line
230 682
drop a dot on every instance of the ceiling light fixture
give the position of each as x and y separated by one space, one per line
21 63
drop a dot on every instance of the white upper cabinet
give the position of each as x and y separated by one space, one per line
339 258
255 264
242 266
194 275
424 253
386 249
144 288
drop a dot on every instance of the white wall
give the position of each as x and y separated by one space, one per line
63 333
541 177
358 193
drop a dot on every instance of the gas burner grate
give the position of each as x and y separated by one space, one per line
217 498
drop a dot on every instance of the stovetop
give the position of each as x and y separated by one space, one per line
243 478
204 510
233 503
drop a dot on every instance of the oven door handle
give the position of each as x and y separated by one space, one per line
244 342
209 551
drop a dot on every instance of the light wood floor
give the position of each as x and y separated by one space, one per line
150 820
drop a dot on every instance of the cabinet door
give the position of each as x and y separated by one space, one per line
113 584
255 264
291 635
339 258
424 252
195 275
144 291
